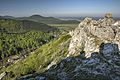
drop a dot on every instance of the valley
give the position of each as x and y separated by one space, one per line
59 40
22 38
34 50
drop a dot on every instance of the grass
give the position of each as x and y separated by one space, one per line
64 26
54 51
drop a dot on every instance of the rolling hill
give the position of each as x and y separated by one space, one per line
7 17
12 25
47 20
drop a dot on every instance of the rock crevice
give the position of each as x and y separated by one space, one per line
91 33
102 65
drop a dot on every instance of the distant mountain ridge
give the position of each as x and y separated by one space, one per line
82 18
47 20
7 17
52 20
42 19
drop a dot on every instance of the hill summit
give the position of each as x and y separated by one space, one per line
90 33
92 52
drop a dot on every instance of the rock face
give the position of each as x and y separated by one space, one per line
117 23
91 33
102 65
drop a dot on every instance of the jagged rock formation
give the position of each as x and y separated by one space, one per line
102 65
117 23
2 75
96 44
91 33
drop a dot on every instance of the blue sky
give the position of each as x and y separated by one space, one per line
59 7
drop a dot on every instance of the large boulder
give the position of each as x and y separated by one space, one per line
91 33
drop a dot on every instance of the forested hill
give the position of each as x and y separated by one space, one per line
48 20
12 25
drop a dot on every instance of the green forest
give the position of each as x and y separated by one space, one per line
12 44
23 37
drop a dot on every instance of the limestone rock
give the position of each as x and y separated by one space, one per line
100 66
117 23
91 33
117 38
97 44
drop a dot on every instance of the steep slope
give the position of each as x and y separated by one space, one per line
12 25
41 60
102 65
21 44
47 20
93 53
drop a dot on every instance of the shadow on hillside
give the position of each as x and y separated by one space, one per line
67 68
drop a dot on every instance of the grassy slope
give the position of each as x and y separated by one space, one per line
54 51
64 26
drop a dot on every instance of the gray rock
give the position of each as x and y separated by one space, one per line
40 78
100 66
97 44
90 33
109 50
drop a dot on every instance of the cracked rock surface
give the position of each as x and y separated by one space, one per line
102 65
91 33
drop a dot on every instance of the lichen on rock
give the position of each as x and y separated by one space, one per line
91 33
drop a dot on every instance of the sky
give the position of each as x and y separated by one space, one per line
60 8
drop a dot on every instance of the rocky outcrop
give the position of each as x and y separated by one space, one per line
117 23
102 65
95 45
2 75
91 33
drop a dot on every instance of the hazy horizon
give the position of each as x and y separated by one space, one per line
59 8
